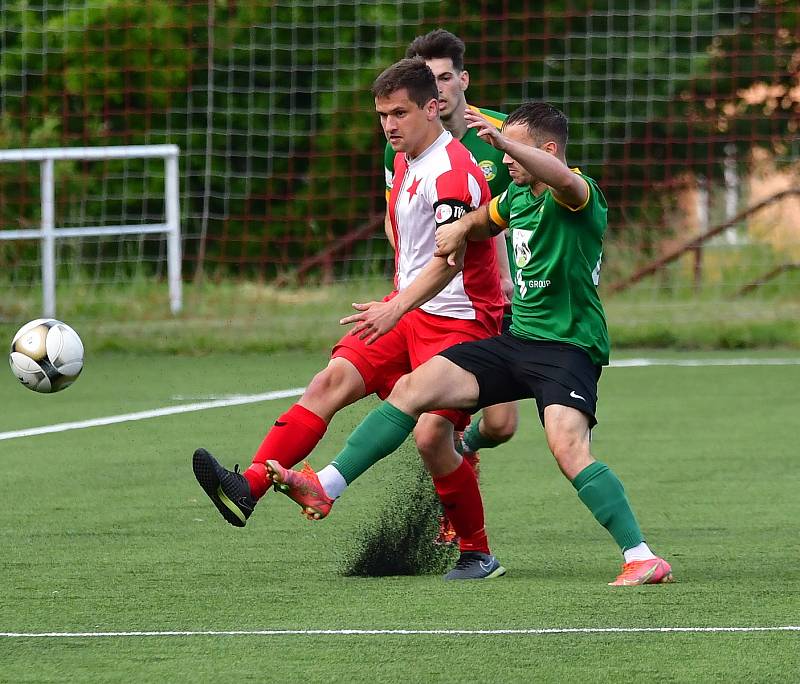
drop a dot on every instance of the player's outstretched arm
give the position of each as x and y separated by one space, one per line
568 187
377 318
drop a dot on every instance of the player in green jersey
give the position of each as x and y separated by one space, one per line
443 52
558 341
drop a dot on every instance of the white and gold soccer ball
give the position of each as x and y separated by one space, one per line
46 355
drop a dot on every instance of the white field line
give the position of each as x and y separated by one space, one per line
237 400
399 632
696 363
155 413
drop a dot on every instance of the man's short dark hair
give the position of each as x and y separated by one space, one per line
543 121
438 44
411 74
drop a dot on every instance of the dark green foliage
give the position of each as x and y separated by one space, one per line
272 111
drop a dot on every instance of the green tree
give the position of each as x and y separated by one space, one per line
270 103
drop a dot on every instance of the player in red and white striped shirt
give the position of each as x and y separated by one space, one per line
434 305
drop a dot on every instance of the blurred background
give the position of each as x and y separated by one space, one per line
686 112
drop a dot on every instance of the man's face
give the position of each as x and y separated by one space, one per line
451 83
404 122
518 133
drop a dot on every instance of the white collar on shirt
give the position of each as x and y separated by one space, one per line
442 141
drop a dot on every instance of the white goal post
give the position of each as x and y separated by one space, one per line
47 234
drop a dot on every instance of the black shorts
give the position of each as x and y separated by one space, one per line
508 369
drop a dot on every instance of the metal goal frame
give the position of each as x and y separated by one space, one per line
47 234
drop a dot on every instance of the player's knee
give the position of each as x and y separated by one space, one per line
320 384
563 446
406 395
499 427
332 384
435 446
571 453
428 443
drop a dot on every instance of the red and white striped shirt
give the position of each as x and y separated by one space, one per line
441 184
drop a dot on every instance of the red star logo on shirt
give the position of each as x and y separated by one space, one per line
412 189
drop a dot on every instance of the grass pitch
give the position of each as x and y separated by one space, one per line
104 529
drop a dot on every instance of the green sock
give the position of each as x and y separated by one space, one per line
603 494
378 435
473 438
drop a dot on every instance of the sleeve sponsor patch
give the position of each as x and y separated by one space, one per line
449 210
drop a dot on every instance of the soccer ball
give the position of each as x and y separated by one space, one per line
46 355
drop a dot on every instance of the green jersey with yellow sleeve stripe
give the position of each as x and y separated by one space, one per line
557 252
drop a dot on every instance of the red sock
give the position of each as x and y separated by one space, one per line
289 441
462 503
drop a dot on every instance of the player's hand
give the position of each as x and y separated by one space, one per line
372 320
486 130
450 238
507 286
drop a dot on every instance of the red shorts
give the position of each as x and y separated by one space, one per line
417 337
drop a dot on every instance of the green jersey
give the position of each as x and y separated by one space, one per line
557 252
